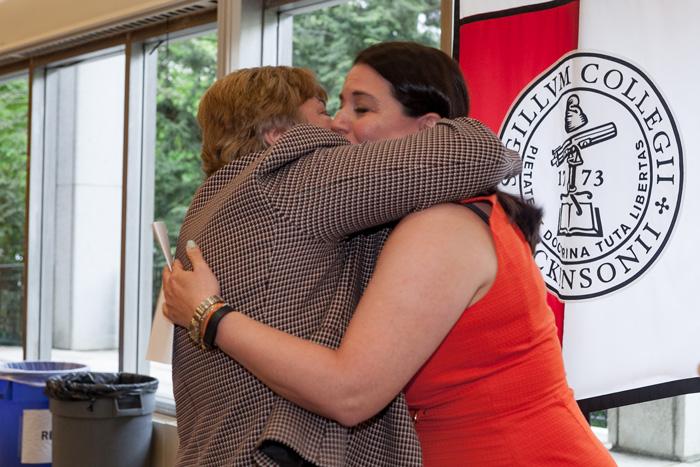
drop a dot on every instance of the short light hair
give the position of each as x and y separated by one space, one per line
238 109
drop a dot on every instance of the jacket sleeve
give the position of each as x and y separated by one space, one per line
334 191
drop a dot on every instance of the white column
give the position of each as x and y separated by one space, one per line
240 24
667 428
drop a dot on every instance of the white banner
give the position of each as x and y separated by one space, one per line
647 332
601 100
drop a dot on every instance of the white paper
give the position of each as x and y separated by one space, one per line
36 436
160 344
160 230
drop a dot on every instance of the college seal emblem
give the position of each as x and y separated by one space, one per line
603 157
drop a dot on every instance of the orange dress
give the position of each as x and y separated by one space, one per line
494 393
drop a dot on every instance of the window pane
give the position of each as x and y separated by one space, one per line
186 68
88 200
343 30
13 176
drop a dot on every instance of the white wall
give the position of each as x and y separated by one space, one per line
165 442
470 7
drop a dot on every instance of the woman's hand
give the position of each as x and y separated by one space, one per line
185 290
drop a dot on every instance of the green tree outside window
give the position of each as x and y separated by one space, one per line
327 40
13 179
186 69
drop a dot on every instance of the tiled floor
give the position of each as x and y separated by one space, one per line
624 459
633 460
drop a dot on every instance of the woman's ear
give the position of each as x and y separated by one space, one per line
271 136
428 120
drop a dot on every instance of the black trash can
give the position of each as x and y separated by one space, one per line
101 419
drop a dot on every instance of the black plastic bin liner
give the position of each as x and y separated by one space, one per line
89 386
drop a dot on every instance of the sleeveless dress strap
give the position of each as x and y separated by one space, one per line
478 211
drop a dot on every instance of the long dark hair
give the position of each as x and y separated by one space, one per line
526 216
425 79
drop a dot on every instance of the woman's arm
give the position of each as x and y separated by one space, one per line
332 190
434 264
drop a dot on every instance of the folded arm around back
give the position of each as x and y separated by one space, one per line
341 189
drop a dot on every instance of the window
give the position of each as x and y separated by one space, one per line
342 30
76 252
105 164
185 69
13 177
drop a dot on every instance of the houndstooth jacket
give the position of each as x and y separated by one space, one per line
294 246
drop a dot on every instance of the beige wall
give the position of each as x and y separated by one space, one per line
24 23
164 442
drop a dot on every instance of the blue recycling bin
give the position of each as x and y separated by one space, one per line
25 429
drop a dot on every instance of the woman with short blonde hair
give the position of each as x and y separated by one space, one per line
239 109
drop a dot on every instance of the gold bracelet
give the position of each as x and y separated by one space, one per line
199 313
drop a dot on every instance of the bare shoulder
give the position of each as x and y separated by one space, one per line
447 241
448 220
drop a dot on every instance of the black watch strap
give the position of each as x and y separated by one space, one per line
213 325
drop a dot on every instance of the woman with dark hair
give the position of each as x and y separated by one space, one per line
421 77
422 92
454 315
